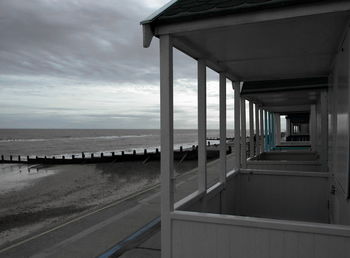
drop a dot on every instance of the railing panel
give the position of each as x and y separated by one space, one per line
212 235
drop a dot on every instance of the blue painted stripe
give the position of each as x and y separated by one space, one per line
133 236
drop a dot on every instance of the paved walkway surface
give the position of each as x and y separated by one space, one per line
92 234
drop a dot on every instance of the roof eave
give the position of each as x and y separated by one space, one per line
146 24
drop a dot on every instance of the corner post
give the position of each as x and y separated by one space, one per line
167 146
257 129
262 131
324 130
202 126
243 134
313 126
222 175
251 129
237 93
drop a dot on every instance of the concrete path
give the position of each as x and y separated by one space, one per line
94 233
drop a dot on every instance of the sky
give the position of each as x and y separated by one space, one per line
81 64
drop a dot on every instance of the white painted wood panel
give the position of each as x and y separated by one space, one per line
214 239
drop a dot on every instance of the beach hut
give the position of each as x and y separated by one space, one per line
286 57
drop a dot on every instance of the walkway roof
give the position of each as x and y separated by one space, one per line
181 10
252 40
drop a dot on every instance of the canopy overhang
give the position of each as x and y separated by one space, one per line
285 96
298 42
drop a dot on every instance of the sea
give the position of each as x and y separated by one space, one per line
65 142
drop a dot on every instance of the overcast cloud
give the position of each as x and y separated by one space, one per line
80 64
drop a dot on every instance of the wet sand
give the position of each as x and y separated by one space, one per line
37 198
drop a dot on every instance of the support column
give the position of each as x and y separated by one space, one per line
167 145
262 131
257 129
237 89
288 128
202 127
272 130
278 128
313 126
251 129
243 134
222 175
266 131
324 130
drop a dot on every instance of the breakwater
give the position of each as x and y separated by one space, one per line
181 154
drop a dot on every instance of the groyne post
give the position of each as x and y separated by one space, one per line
180 148
83 155
73 156
27 158
145 152
92 155
134 152
113 154
2 157
157 151
101 154
123 153
10 157
63 157
19 158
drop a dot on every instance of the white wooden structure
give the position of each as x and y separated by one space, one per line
265 211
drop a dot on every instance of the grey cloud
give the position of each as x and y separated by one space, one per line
89 40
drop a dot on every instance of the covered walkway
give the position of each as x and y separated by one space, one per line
286 58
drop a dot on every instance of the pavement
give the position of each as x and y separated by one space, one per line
96 233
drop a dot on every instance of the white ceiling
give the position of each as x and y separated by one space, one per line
279 49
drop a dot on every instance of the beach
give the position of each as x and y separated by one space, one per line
50 195
37 197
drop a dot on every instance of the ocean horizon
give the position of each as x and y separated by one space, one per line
52 142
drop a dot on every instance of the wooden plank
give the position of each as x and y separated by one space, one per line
321 246
276 244
306 245
239 242
222 242
290 243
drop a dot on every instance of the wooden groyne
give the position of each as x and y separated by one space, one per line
181 154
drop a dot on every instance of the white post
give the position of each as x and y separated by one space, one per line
167 146
262 130
288 127
243 134
237 89
257 129
266 129
324 130
251 129
202 127
313 126
222 175
278 128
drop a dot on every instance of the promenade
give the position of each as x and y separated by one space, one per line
95 233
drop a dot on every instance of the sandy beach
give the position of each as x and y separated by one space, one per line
36 198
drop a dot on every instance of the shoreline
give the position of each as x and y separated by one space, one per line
71 191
